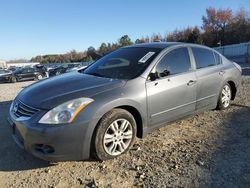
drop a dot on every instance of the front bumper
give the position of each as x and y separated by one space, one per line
5 78
51 142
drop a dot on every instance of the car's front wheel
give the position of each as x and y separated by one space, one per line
58 73
13 79
115 134
225 97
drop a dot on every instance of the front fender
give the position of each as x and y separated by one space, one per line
133 94
100 112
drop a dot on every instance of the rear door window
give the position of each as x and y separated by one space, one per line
24 71
203 57
30 70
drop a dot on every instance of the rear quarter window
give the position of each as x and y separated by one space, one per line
203 57
217 58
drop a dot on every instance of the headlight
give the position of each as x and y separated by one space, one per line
66 112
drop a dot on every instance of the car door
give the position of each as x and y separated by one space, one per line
28 74
172 93
31 73
21 74
209 73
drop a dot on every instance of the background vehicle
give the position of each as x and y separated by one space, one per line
81 68
126 94
74 68
13 68
62 68
57 70
28 73
4 75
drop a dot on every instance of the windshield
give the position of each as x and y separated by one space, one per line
124 63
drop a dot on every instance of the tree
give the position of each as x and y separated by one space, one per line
141 40
239 30
18 61
214 25
87 59
189 34
147 39
194 36
73 55
156 37
93 53
103 48
125 41
137 41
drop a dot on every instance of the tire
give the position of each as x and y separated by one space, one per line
38 77
57 73
225 96
109 143
13 79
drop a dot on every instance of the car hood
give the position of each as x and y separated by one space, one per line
5 74
51 92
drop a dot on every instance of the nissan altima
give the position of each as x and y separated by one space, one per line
99 111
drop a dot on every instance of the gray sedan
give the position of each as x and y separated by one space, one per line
98 112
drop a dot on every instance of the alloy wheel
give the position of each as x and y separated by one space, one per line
117 137
39 77
226 96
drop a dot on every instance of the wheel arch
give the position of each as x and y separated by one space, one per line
126 105
133 111
233 88
137 116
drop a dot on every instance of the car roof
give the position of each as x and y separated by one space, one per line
164 45
160 45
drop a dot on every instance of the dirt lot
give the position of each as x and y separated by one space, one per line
211 149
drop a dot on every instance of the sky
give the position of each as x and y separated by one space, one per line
37 27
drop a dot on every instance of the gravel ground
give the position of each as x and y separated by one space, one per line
211 149
9 90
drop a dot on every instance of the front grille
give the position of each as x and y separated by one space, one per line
21 110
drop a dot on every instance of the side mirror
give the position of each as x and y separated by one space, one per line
152 76
165 73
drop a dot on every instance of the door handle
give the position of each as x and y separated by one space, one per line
191 82
221 73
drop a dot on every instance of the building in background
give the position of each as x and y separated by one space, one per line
3 64
21 64
6 65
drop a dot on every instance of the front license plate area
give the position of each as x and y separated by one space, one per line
16 134
12 125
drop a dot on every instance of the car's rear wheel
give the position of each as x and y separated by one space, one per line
225 97
115 134
39 77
